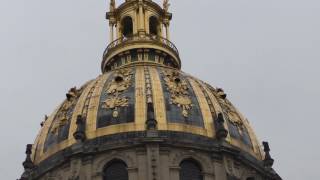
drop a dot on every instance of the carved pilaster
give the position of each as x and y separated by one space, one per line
153 162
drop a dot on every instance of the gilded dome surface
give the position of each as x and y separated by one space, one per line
117 102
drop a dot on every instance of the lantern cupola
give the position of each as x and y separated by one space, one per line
139 34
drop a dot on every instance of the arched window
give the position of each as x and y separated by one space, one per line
127 26
190 170
153 25
115 170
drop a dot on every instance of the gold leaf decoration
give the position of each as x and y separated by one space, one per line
62 117
115 102
228 108
120 83
179 91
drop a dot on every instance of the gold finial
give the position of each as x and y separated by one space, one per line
112 5
166 5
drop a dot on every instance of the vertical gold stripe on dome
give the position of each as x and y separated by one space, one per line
94 106
78 111
140 99
158 99
44 134
34 146
205 109
216 105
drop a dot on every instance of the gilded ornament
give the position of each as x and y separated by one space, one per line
119 84
179 91
62 116
115 102
228 108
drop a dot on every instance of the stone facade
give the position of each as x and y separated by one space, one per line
153 158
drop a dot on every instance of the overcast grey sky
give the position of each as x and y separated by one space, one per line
264 53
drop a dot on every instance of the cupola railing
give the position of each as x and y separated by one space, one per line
154 39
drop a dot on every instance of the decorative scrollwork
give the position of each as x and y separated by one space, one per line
63 116
179 91
120 83
228 109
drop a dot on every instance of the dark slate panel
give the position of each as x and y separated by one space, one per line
63 131
246 138
243 136
152 56
174 113
134 55
51 139
233 130
126 114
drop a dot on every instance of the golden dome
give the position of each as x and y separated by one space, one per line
142 96
121 101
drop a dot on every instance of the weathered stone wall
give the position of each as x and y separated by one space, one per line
153 162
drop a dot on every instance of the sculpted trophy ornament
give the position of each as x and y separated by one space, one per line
120 83
179 91
62 116
229 110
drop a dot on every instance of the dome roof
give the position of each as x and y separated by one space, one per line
145 105
140 98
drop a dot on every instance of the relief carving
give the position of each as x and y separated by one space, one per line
179 91
63 115
228 108
119 84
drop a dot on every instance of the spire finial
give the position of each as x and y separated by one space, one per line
166 5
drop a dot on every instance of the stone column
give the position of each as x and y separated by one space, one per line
219 170
86 169
133 173
141 18
118 29
141 162
153 161
167 31
164 164
111 32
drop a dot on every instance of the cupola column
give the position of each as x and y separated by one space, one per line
112 20
141 18
111 32
167 18
167 31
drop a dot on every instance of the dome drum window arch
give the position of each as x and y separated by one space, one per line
116 169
